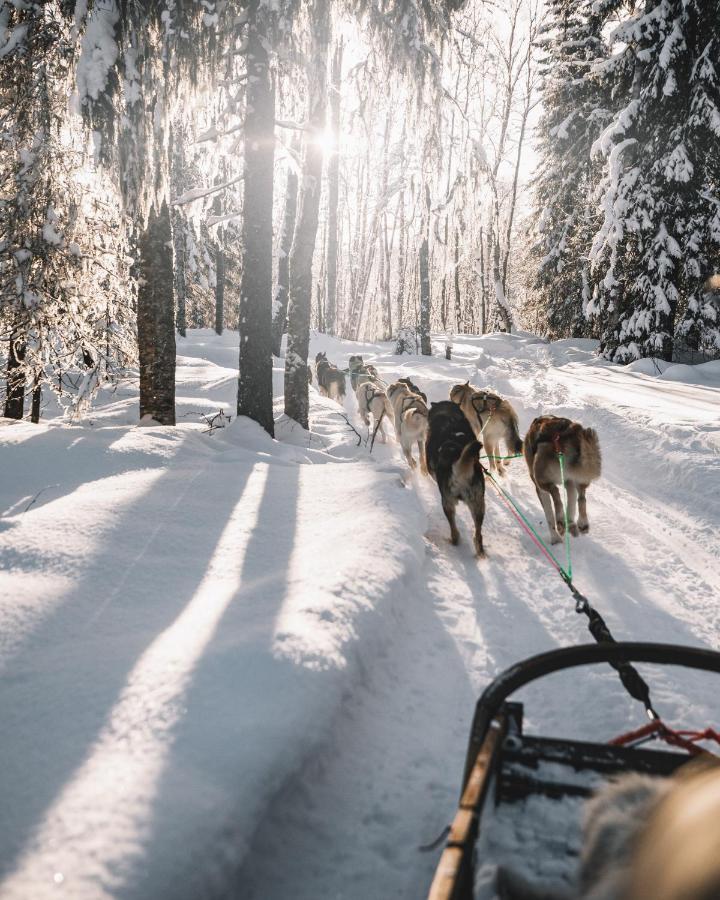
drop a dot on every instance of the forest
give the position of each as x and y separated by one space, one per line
372 170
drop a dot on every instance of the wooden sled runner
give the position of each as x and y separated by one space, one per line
503 765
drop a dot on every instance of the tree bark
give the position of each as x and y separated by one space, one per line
456 281
424 329
179 225
220 282
36 401
283 286
15 396
333 193
303 248
156 319
255 308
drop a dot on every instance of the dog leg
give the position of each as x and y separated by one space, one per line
406 449
547 506
559 508
423 460
448 506
572 496
478 516
583 523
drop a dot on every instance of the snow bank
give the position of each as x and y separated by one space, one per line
181 612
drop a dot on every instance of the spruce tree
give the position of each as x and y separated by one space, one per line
574 112
654 250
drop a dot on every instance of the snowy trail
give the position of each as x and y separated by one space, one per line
259 659
351 821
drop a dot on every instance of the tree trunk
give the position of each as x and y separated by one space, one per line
500 297
156 319
333 193
456 280
281 297
36 401
255 308
402 259
303 248
179 272
15 396
220 281
424 329
179 225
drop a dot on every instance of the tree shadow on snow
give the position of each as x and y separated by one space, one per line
61 686
239 708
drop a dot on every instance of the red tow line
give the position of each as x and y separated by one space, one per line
688 740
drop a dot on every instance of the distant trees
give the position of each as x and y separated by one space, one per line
629 189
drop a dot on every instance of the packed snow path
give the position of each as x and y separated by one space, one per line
239 667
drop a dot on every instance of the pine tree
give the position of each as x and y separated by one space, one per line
654 250
573 115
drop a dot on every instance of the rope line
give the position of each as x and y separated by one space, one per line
631 679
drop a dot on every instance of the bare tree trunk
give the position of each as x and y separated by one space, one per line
178 226
156 319
402 261
456 279
36 401
15 394
333 192
220 281
424 260
483 285
179 272
255 309
281 297
500 298
301 256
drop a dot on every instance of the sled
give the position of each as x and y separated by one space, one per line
507 765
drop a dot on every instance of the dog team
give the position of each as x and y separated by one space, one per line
449 436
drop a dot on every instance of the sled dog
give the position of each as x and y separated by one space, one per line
330 379
410 416
492 418
360 372
413 387
452 458
546 437
372 401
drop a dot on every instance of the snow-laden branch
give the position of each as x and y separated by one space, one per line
198 193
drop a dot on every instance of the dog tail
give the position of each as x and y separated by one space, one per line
514 440
590 456
466 462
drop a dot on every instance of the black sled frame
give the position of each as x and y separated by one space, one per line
501 759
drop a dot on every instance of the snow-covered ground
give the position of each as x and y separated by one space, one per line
233 666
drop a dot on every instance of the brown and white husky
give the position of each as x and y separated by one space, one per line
546 438
330 379
410 413
372 401
492 419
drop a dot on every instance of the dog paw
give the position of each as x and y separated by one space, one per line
574 530
481 554
454 539
555 538
560 525
584 527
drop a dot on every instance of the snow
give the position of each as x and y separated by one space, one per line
99 50
241 666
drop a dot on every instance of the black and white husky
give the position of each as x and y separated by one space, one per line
452 459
